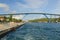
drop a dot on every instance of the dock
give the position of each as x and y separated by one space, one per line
4 28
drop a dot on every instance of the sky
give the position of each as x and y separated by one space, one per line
29 6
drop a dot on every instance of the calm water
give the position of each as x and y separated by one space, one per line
35 31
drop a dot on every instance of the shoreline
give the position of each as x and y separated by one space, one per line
12 27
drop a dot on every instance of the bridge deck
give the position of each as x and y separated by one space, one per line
30 13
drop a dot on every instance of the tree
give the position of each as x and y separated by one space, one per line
10 17
58 19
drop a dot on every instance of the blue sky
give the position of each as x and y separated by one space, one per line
30 6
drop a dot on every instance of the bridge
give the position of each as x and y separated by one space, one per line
30 13
45 14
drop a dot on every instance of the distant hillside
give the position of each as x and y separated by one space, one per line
45 20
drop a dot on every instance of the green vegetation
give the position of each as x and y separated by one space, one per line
46 20
9 19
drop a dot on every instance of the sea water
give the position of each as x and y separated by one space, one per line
35 31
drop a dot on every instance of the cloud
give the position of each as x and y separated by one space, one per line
31 5
57 8
4 6
18 16
36 3
14 12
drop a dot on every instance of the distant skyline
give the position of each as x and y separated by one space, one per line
30 6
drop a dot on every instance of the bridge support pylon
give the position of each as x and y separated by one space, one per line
47 18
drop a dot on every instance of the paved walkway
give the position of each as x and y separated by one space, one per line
8 25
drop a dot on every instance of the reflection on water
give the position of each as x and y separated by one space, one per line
35 31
